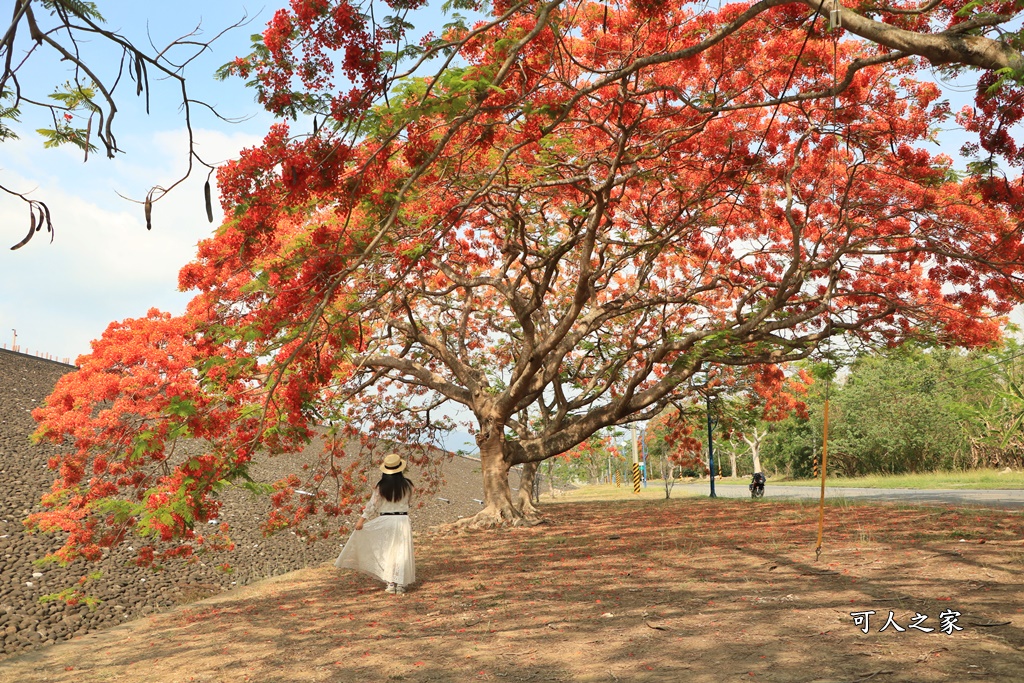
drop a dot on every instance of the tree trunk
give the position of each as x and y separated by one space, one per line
667 475
755 447
524 499
499 509
535 489
732 461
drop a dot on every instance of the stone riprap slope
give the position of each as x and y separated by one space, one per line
126 591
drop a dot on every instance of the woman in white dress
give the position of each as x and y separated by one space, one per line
382 546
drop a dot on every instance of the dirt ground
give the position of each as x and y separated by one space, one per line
681 590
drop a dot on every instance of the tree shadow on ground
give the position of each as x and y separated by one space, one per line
690 590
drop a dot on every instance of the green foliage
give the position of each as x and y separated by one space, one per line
143 443
71 596
64 134
470 5
11 113
181 407
912 409
259 51
257 488
119 510
982 167
448 96
1014 396
899 412
791 446
1006 76
82 10
71 98
998 420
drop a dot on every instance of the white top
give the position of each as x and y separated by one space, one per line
379 504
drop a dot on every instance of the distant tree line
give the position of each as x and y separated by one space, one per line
909 409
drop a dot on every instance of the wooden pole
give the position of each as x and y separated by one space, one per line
824 467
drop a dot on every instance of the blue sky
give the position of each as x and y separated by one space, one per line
103 265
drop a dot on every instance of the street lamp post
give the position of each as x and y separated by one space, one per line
705 389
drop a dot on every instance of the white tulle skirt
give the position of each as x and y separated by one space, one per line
382 548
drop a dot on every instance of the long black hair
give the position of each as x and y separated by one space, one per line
394 487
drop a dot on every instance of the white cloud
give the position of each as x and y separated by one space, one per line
103 264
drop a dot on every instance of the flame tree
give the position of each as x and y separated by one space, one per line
555 232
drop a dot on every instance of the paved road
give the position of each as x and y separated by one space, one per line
1001 498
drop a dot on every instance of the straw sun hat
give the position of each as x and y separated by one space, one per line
393 464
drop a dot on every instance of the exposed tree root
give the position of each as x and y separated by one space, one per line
528 510
493 517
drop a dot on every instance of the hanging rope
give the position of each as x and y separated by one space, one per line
833 278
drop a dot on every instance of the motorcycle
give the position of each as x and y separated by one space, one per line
757 485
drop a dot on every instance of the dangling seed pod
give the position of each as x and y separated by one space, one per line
209 201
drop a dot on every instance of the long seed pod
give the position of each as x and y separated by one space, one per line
31 229
88 135
145 77
23 242
316 128
44 214
138 73
209 201
149 210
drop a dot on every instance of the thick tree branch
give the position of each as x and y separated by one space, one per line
947 47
